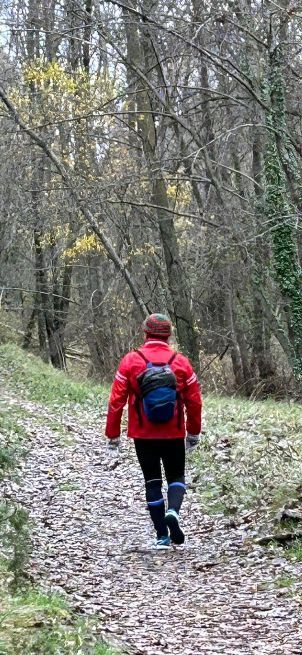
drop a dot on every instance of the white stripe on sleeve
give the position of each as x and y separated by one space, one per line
192 379
120 377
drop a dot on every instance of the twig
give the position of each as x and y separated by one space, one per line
219 356
281 538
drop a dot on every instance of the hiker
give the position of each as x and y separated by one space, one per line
159 383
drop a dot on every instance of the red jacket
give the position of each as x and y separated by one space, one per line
125 387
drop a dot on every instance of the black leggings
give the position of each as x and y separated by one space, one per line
150 453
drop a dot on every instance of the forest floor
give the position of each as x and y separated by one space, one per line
92 543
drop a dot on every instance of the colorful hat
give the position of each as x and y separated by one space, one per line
157 325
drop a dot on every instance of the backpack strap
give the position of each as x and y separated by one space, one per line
137 402
139 352
178 396
172 359
169 362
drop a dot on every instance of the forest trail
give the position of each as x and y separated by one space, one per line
92 539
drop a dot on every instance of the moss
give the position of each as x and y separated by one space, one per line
279 210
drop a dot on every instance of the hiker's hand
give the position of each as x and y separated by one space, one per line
192 442
113 447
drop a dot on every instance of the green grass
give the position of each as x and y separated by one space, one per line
12 438
35 623
284 581
294 551
68 486
102 649
14 529
250 458
27 374
9 420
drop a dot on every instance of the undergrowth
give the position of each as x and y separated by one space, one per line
27 374
250 460
37 623
294 550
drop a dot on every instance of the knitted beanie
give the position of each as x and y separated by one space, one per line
157 325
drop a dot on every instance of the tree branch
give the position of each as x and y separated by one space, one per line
66 176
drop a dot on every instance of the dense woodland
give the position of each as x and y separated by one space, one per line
151 160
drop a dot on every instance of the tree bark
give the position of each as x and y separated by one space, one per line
28 335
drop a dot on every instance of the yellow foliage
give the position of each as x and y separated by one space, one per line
57 233
60 94
49 74
172 191
180 192
145 249
84 244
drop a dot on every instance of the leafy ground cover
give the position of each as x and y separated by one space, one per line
92 574
33 621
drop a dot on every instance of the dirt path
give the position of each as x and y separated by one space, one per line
92 539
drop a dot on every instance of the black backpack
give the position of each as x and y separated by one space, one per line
158 391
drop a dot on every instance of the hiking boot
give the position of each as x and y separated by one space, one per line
162 543
172 521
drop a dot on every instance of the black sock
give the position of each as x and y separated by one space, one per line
157 513
156 506
176 492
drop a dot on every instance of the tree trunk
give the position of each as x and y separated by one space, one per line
56 350
141 55
262 362
281 212
29 329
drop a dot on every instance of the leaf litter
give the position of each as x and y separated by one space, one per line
92 542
